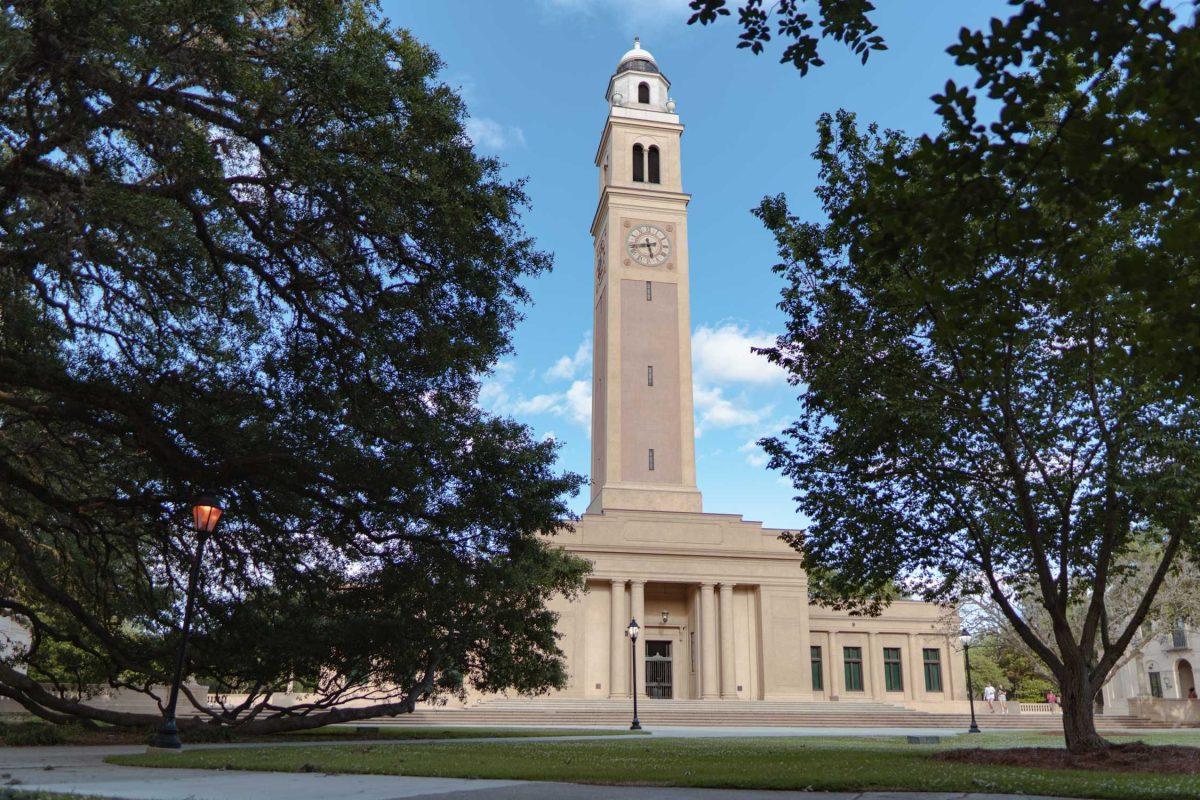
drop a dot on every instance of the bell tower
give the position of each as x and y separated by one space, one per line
643 438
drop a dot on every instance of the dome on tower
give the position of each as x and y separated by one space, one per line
637 59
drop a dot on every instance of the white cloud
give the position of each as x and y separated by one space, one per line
492 135
715 410
722 355
568 367
579 402
493 390
755 456
496 395
538 404
634 16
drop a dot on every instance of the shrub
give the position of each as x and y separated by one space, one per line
31 734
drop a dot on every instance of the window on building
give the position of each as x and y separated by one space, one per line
818 679
649 376
1155 685
1179 635
652 158
933 669
852 656
649 291
893 674
643 92
652 459
639 163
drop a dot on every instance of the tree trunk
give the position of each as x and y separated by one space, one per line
1079 711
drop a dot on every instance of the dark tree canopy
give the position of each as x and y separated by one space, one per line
246 248
997 338
845 21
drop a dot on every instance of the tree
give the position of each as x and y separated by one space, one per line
995 336
845 21
1177 601
247 249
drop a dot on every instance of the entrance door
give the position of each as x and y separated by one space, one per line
658 670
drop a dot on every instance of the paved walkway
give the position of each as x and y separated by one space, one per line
81 770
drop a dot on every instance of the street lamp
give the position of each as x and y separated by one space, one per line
206 513
632 633
965 638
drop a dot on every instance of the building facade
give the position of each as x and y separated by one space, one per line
722 602
1159 681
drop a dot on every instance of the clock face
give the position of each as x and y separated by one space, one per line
648 245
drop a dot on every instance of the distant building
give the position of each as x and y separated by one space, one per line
1158 680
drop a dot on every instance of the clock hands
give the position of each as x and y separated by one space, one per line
654 249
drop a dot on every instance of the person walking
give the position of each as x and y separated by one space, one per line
989 694
1052 699
1002 699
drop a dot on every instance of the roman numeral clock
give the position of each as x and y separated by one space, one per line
648 245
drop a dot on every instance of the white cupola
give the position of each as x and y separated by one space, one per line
639 84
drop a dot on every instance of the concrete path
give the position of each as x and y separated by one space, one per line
81 770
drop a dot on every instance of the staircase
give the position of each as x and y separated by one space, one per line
556 712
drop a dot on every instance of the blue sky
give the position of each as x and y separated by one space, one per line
533 75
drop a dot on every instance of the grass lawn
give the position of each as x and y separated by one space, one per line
816 763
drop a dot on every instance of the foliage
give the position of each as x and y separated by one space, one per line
30 734
845 21
985 671
247 249
995 334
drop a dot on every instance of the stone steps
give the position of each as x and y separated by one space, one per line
703 713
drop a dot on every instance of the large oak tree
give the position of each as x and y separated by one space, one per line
246 248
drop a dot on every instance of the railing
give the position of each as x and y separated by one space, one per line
1035 708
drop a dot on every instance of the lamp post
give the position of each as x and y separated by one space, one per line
632 633
206 513
965 638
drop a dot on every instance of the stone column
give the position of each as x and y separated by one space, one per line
617 655
835 666
806 646
875 665
948 671
728 677
916 669
708 649
637 603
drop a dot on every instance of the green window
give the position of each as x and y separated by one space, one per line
818 682
1155 685
893 675
852 656
933 669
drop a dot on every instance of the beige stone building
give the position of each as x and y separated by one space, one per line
722 602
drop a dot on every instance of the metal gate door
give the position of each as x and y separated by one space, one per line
658 670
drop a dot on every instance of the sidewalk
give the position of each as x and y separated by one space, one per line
81 770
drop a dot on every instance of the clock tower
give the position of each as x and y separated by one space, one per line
643 447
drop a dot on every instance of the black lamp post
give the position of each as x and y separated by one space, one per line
965 638
206 513
632 633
